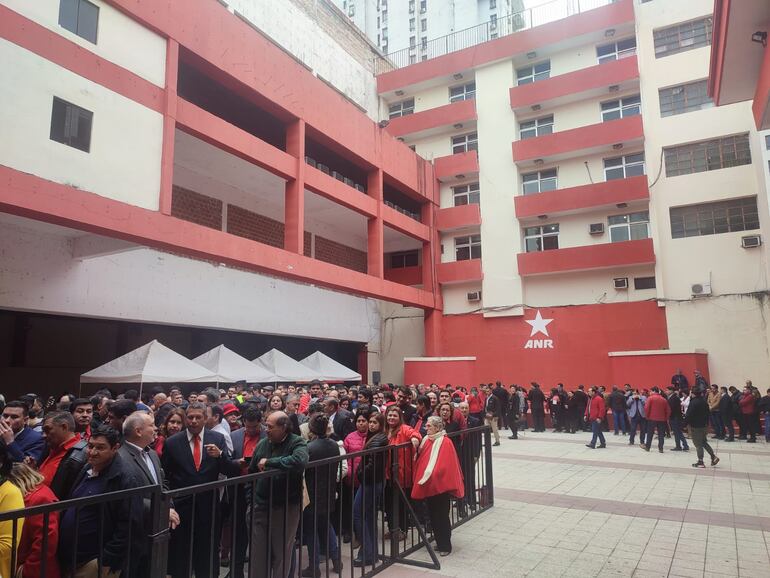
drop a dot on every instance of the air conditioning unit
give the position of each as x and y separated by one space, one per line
751 241
474 296
700 289
596 228
323 168
620 283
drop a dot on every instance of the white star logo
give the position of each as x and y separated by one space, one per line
539 325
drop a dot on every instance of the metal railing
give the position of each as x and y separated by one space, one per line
502 26
272 537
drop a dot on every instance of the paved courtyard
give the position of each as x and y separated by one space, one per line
562 509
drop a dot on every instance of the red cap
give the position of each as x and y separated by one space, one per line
229 408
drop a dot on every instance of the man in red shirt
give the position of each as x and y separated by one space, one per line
66 453
596 411
658 411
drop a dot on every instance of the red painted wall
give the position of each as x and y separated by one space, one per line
582 337
455 372
649 370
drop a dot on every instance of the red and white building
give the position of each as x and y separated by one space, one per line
170 165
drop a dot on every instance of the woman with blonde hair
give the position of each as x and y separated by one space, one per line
30 556
10 499
437 478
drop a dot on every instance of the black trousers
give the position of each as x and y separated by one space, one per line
727 419
538 421
194 545
438 510
651 427
404 523
513 422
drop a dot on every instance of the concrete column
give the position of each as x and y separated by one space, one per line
169 127
294 204
375 233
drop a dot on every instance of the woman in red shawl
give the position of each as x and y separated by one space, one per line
437 478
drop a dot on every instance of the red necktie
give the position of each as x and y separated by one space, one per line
197 451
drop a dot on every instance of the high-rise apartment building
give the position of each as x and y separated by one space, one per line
600 220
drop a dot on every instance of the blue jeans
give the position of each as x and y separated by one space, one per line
652 426
716 423
637 422
767 426
619 421
316 529
676 429
596 430
365 519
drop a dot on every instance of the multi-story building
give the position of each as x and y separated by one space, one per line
600 220
408 28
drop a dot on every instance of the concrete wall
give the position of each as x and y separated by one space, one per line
124 158
403 335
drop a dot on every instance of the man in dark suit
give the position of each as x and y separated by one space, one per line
192 457
341 420
536 399
139 432
20 439
245 441
502 394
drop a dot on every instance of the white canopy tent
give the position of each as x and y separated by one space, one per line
150 363
230 367
330 370
284 368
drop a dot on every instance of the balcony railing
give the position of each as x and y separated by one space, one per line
503 26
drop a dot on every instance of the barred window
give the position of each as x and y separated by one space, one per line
729 151
714 218
682 37
401 108
684 98
466 194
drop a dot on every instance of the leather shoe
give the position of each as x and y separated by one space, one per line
590 446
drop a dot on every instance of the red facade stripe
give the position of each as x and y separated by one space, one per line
587 257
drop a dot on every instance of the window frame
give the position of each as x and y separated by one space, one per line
402 110
625 165
529 74
714 218
698 95
538 233
539 180
467 144
539 127
639 281
700 157
469 191
70 116
471 243
621 107
402 259
617 53
75 28
466 94
629 225
682 37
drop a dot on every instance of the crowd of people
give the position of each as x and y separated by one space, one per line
68 447
72 447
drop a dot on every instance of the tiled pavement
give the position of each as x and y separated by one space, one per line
562 509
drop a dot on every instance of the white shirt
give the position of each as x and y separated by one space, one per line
147 461
224 428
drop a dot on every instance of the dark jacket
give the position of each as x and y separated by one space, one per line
536 399
763 405
290 457
343 424
502 394
676 406
371 469
121 518
493 406
27 443
617 401
179 467
726 406
697 412
581 399
69 469
679 381
321 481
407 411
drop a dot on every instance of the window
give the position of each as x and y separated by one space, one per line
543 238
405 259
384 17
684 98
623 167
462 92
533 73
424 43
423 6
80 17
466 194
492 4
468 247
767 142
493 21
385 35
539 182
714 218
71 125
621 108
402 108
682 37
536 127
616 50
411 25
351 11
411 6
423 25
412 59
412 41
465 143
629 227
729 151
644 283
